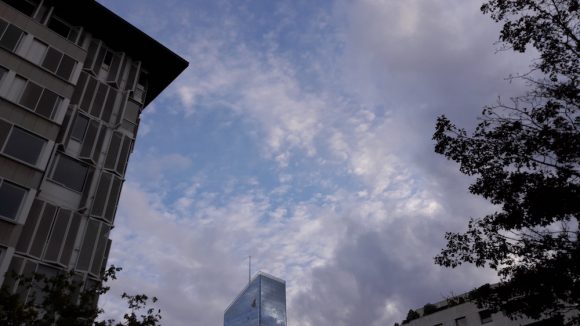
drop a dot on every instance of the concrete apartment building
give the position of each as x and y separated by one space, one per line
261 303
74 78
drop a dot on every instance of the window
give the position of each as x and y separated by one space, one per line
40 100
117 69
42 14
39 293
30 96
52 59
34 97
100 249
64 227
10 36
96 98
27 7
118 153
107 196
89 241
92 142
36 51
60 64
107 60
131 80
66 67
4 131
94 247
99 100
141 88
79 128
49 102
69 173
485 316
49 233
63 29
11 199
461 321
94 58
24 146
18 84
131 113
3 72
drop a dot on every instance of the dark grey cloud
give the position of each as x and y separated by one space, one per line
415 60
374 270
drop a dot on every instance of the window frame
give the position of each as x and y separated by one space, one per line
39 157
3 250
3 72
74 124
57 159
139 93
127 123
107 60
117 157
22 203
35 4
485 316
106 196
78 30
94 103
60 69
17 96
16 46
30 55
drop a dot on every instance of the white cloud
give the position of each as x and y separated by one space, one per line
256 87
357 251
192 256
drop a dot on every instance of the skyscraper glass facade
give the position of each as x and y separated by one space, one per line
261 303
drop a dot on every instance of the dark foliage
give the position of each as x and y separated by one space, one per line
525 156
429 309
62 301
411 315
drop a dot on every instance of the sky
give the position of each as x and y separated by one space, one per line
300 134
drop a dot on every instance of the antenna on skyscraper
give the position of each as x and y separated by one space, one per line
249 269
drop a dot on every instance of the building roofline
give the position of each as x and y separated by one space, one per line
270 276
162 64
259 273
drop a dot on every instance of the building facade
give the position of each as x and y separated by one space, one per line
74 78
261 303
459 311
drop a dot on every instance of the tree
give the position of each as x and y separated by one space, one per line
411 315
525 156
62 300
429 308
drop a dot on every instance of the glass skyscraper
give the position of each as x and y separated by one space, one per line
261 303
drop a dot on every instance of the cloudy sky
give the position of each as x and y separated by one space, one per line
301 134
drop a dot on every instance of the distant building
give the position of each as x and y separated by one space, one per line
261 303
74 78
459 311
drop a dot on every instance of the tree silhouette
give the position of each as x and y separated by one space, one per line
525 156
63 301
